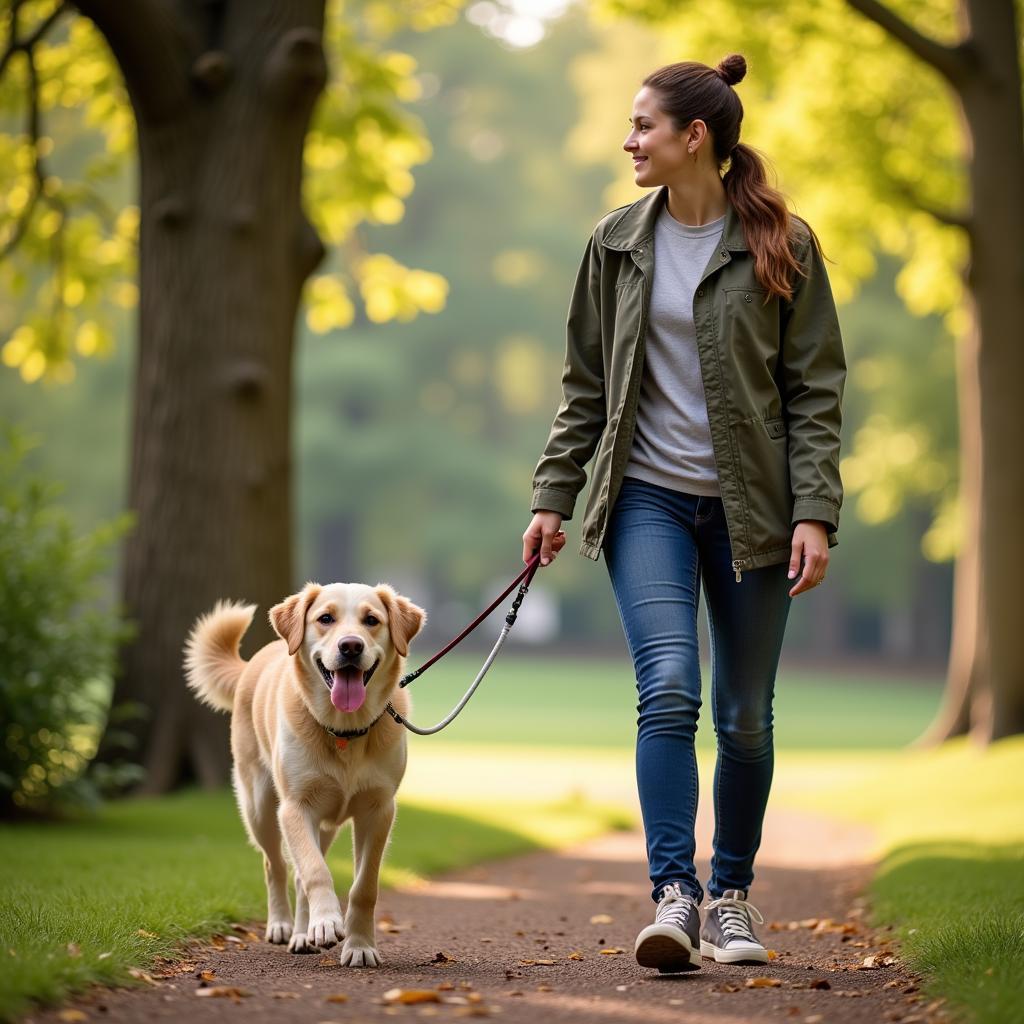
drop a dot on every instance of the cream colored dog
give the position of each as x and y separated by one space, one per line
334 670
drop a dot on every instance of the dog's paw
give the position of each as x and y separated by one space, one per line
300 944
359 955
278 932
326 931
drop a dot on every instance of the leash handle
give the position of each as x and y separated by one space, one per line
525 578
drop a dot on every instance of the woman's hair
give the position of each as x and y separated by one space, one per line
690 90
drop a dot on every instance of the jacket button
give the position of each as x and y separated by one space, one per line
724 255
700 293
747 297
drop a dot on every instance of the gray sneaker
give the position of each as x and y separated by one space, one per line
672 943
728 934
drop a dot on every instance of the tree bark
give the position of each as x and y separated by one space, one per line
222 109
992 104
985 682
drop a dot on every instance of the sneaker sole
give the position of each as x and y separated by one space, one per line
725 956
668 953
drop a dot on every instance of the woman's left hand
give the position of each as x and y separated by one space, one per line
810 542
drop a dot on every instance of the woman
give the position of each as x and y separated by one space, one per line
705 370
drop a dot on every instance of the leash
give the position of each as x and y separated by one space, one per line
524 579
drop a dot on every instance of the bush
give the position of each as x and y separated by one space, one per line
57 641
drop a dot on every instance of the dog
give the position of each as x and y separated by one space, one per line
334 670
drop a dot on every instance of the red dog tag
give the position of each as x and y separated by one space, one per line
340 742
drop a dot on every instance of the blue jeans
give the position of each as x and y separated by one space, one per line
658 544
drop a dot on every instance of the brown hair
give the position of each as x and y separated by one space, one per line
690 90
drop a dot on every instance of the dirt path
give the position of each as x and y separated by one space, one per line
549 937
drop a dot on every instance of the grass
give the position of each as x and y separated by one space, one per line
129 885
950 830
528 701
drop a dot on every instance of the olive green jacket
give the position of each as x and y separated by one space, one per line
773 374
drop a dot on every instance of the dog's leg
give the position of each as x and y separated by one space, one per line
258 804
300 941
300 832
371 826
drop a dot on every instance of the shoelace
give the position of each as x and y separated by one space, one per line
735 917
674 906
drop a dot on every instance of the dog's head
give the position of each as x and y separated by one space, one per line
344 632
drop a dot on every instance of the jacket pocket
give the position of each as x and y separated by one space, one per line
762 446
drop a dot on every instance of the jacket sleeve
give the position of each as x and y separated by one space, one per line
814 374
580 420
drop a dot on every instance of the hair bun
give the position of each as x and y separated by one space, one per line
732 69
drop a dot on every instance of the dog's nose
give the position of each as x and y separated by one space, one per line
350 646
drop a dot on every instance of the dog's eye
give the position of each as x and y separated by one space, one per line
371 620
326 618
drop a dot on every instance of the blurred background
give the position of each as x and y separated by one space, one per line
458 160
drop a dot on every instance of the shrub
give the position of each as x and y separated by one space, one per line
57 641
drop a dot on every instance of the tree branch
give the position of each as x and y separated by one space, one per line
953 218
953 62
149 41
16 45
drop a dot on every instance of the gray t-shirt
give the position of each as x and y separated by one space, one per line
672 442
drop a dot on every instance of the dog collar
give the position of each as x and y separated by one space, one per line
341 738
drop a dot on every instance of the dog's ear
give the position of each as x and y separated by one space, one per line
405 619
289 617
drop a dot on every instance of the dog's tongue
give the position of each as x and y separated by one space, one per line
348 692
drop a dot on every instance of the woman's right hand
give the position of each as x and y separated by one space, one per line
544 533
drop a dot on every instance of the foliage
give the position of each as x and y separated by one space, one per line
68 234
57 642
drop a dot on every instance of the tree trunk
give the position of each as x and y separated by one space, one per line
985 682
992 103
222 106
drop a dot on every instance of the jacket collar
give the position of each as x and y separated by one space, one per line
636 224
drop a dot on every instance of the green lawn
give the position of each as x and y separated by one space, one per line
537 702
126 886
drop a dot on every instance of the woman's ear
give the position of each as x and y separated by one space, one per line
289 617
405 619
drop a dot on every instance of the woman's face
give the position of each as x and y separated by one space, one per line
659 152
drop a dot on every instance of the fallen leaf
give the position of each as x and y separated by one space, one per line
820 983
575 955
135 972
207 975
338 997
814 1018
476 1010
441 957
72 1015
533 963
545 988
445 986
147 935
772 955
602 919
103 956
724 986
409 996
763 983
611 951
74 950
285 995
222 992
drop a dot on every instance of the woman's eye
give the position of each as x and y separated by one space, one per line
326 619
371 620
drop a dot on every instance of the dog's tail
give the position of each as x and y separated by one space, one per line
213 665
